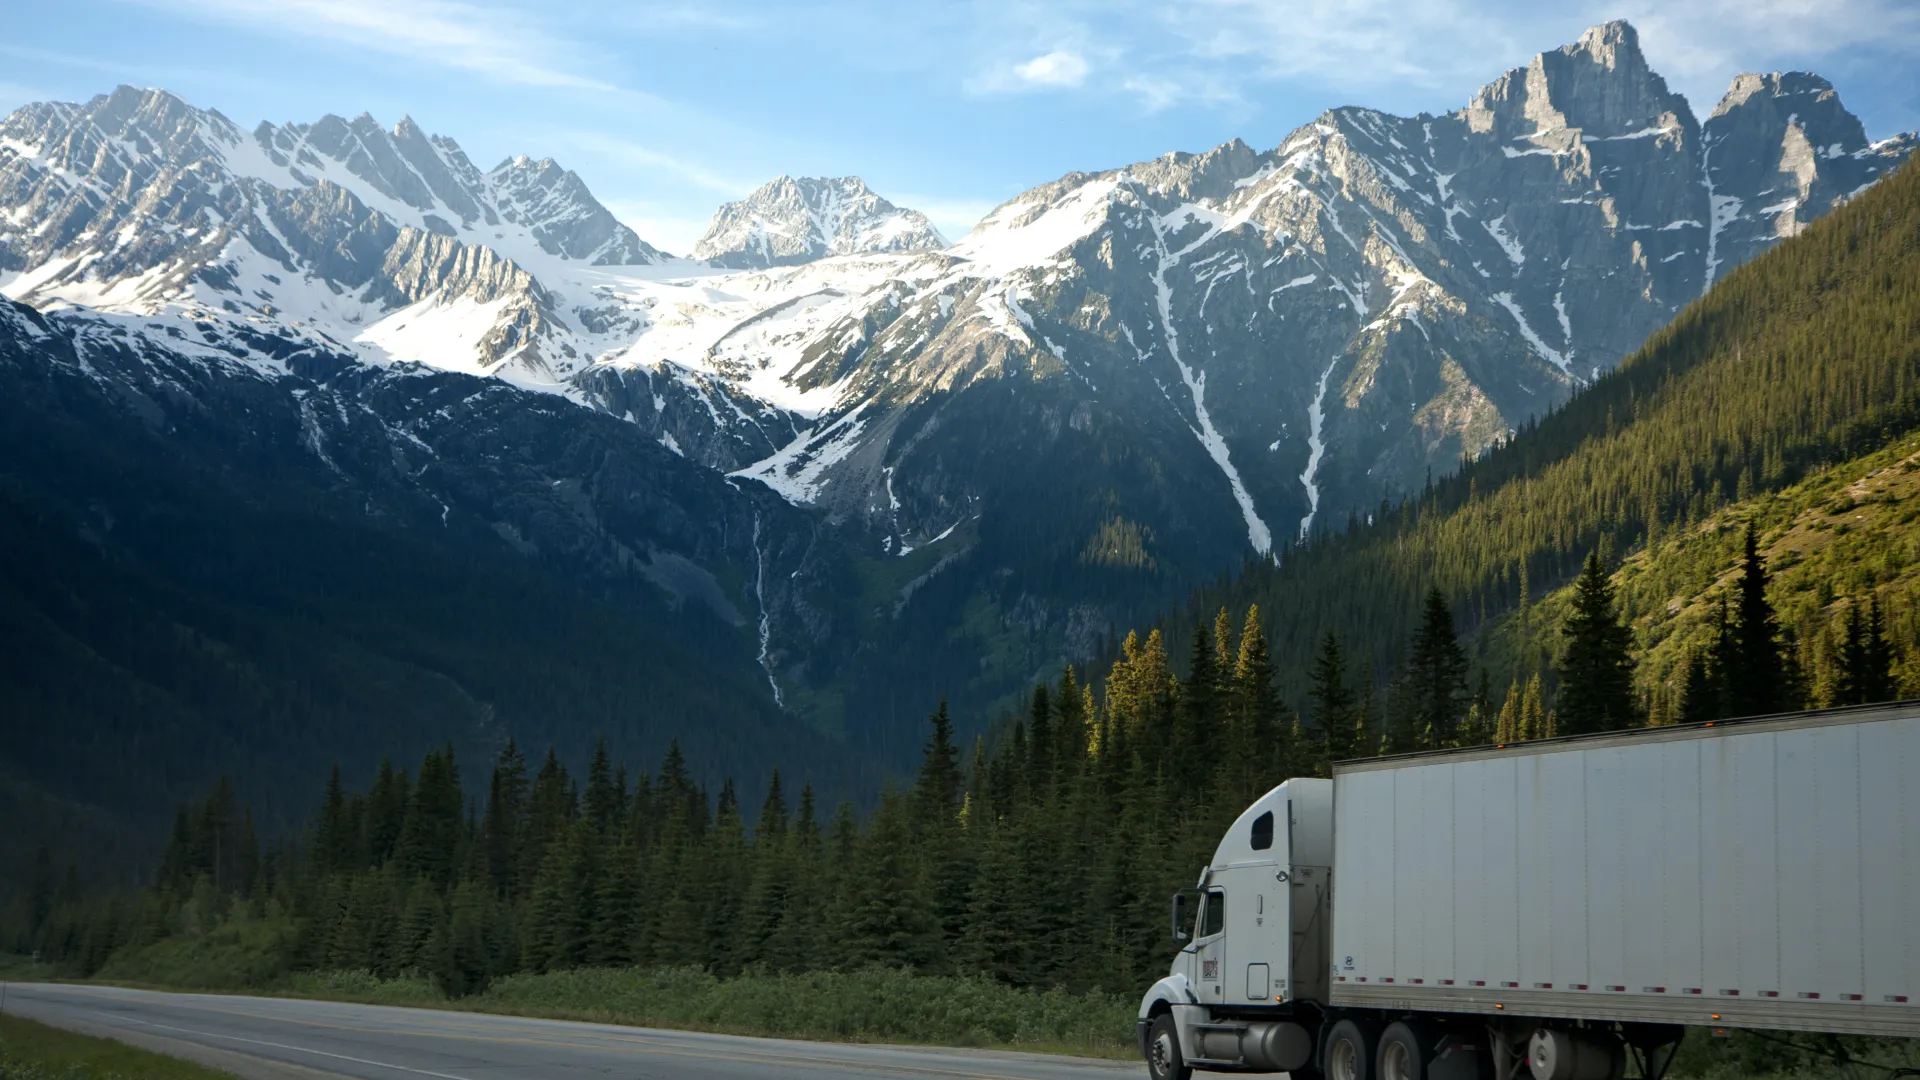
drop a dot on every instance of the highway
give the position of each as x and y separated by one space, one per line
283 1039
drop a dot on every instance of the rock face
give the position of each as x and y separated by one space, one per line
789 221
1119 384
1780 151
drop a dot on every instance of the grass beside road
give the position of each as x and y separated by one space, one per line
875 1005
33 1051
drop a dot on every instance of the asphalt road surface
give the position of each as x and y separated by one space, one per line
280 1039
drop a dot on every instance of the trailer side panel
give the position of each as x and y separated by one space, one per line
1765 874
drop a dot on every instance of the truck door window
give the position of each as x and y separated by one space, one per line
1263 831
1214 919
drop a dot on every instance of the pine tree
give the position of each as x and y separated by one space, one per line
936 791
431 833
1596 680
1754 671
1876 680
1330 702
1477 728
1699 690
1266 758
602 803
503 823
333 840
1533 719
1506 728
1205 726
1437 673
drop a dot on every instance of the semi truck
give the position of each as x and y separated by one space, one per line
1567 906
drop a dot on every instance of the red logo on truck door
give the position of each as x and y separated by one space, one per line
1210 970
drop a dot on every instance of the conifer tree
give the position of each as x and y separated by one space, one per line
502 825
1265 754
1041 744
602 803
1330 704
1506 728
1436 675
1205 724
1533 717
1754 669
1699 690
1596 679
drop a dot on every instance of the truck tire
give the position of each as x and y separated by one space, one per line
1349 1052
1404 1053
1164 1061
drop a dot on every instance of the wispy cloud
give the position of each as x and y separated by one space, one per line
1165 54
1061 67
494 43
647 159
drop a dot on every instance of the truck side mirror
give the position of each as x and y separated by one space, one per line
1180 917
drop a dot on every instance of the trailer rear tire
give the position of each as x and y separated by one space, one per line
1164 1061
1349 1052
1404 1053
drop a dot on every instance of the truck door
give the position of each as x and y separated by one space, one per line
1210 946
1254 954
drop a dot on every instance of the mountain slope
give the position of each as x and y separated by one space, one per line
1004 451
788 221
216 566
1807 356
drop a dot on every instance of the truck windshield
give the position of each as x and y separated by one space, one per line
1213 918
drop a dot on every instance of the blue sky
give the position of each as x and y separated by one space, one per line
669 108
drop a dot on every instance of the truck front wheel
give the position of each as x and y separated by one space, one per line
1349 1052
1163 1051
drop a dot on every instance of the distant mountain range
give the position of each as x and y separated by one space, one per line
923 468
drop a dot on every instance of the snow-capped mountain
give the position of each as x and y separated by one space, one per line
1332 320
788 221
1118 384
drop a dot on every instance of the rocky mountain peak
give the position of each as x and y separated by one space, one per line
1791 98
788 221
1600 85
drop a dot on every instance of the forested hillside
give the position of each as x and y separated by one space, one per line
190 589
1803 359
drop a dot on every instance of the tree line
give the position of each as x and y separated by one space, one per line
1041 859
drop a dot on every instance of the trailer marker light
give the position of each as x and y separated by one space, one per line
1729 993
1769 993
1514 985
1716 1016
1578 986
1653 989
1416 982
1691 990
1809 997
1499 1006
1543 986
1386 978
1479 982
1897 999
1446 982
1850 997
1363 978
1618 989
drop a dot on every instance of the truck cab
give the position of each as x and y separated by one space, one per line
1254 936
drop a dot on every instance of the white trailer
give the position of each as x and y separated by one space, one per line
1567 903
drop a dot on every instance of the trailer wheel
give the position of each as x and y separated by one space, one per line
1163 1051
1404 1053
1349 1052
